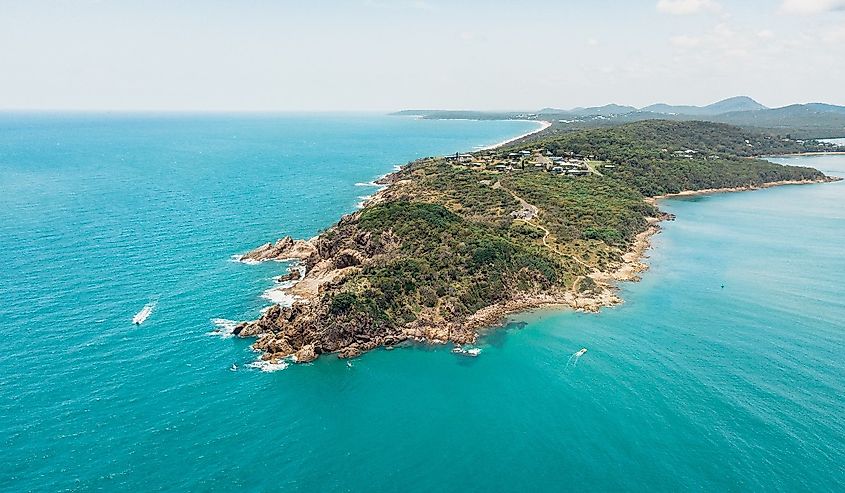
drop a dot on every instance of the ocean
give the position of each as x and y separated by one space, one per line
723 370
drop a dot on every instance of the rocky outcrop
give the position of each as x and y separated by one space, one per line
293 275
284 249
305 354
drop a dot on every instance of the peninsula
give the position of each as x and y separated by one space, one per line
453 244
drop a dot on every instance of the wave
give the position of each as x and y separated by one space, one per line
279 296
224 328
473 351
267 366
298 266
369 184
239 258
363 201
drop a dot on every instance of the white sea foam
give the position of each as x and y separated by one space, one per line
240 259
267 366
363 202
279 296
368 184
223 328
466 352
300 267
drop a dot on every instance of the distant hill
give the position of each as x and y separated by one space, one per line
607 110
812 120
739 103
818 119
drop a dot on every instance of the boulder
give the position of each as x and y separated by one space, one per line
305 354
349 352
293 275
284 249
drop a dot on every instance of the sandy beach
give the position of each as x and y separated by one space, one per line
709 191
543 125
815 153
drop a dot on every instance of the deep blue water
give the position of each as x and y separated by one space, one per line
687 386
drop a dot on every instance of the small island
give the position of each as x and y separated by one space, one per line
453 244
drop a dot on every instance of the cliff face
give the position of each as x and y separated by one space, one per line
447 249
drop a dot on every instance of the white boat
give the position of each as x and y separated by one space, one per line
145 312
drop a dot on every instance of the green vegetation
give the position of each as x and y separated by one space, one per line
447 262
448 240
660 157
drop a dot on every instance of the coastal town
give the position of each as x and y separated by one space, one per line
539 159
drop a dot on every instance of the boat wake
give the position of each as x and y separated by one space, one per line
142 316
573 359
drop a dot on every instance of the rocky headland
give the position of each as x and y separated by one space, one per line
439 255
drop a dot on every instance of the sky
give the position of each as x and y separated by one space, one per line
381 55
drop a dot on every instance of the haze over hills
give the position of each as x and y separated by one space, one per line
738 103
810 120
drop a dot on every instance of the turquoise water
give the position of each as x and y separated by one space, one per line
687 386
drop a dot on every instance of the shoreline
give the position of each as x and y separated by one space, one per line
604 293
495 316
543 125
382 182
746 188
808 153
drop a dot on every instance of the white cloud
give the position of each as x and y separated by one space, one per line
684 41
687 7
835 36
765 34
721 41
809 7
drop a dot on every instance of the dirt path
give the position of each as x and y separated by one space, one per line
531 210
591 165
534 213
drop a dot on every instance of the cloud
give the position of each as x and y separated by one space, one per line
688 7
721 41
810 7
765 34
414 4
684 41
835 36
